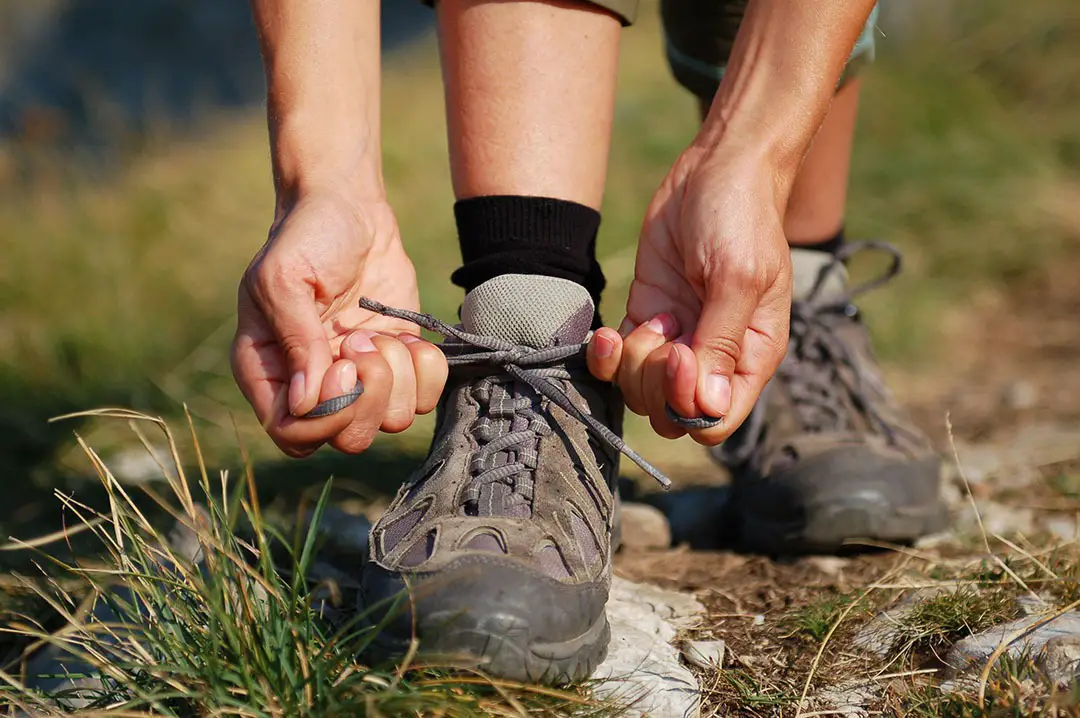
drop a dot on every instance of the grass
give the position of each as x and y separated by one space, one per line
814 620
233 626
939 621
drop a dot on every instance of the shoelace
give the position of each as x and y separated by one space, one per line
533 367
815 346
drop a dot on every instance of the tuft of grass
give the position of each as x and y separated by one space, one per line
814 620
233 624
938 621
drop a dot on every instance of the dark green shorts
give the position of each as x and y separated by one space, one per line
699 35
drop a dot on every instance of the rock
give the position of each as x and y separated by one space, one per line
849 698
1060 659
1062 527
708 655
137 465
642 670
644 528
972 652
345 536
828 565
696 516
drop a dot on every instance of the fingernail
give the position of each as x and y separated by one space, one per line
673 362
662 324
626 327
360 342
297 391
718 387
685 339
602 346
348 378
407 338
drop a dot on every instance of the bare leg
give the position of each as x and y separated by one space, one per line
818 201
530 90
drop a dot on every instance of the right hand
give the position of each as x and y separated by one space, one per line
302 338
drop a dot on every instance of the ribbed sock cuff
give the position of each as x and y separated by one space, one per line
528 235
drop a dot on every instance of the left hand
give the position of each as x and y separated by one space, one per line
709 307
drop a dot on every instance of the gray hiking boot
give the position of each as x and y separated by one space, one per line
826 456
502 537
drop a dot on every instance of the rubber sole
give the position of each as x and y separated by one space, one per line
840 524
501 645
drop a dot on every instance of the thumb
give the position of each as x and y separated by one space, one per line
294 319
718 341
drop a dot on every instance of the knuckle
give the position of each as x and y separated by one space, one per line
745 273
722 349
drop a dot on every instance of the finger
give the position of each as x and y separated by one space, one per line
604 354
680 380
718 341
289 309
429 364
655 371
373 371
340 381
637 346
401 408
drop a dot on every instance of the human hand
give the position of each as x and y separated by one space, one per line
707 317
302 339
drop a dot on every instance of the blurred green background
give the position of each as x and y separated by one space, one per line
135 187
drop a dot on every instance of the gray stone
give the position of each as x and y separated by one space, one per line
849 698
696 516
344 537
972 652
707 655
1060 659
642 670
1062 527
644 528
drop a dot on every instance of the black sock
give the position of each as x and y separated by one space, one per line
831 245
528 235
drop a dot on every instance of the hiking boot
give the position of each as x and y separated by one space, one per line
502 538
826 456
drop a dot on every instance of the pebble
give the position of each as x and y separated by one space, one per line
708 655
642 670
644 528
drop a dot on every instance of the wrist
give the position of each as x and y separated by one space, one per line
311 157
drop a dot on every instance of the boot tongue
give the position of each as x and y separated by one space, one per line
808 266
529 310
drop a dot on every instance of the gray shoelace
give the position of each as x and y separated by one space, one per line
536 368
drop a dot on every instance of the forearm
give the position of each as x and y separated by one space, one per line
781 77
322 73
